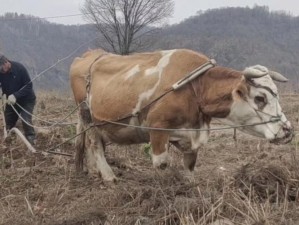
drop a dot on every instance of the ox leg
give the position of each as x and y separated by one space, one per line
190 154
160 142
190 146
96 160
198 139
190 159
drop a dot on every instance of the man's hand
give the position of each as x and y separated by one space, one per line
11 100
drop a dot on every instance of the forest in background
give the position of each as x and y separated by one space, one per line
235 37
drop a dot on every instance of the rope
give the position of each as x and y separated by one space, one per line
59 61
52 122
38 75
185 129
38 127
150 128
42 18
51 150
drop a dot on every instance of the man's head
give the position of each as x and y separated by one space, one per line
4 64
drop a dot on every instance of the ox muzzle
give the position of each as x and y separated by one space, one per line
285 135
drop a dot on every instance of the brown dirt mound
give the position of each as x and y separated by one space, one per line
267 181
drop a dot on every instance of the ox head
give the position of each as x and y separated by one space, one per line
258 105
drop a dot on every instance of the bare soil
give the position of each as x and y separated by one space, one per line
243 181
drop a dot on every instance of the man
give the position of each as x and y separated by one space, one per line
17 86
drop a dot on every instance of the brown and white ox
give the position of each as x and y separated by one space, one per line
134 90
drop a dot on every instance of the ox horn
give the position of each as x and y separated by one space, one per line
277 76
255 71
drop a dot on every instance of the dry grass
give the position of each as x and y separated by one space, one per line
245 182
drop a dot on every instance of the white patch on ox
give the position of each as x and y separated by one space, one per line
167 52
197 138
163 62
102 165
160 159
132 72
96 160
89 97
151 71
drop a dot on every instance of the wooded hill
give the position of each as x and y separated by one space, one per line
235 37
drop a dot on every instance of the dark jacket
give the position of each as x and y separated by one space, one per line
17 82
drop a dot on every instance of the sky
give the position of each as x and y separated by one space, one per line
183 8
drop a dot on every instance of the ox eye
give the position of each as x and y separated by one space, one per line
260 101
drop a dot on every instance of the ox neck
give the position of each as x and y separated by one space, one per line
214 89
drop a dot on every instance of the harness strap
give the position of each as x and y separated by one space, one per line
194 74
88 77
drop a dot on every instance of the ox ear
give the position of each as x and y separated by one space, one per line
277 76
255 71
241 91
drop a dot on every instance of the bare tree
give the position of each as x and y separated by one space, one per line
125 23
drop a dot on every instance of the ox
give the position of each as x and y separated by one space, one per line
136 90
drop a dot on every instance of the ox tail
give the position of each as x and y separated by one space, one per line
84 121
80 150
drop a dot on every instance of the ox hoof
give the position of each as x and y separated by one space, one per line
190 160
81 173
163 166
161 161
110 179
110 182
113 180
190 176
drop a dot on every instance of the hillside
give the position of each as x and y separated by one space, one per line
239 37
235 37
